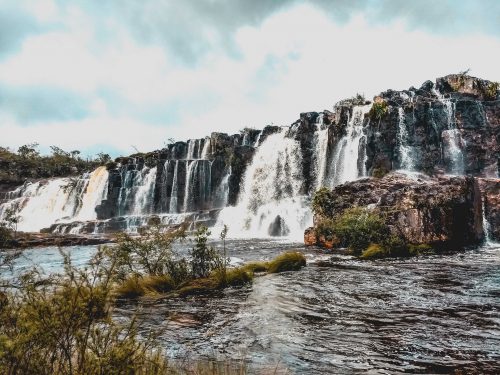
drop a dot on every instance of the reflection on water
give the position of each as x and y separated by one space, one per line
434 314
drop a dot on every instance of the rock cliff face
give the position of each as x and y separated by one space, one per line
450 127
441 211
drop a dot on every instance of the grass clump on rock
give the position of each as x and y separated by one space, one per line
289 261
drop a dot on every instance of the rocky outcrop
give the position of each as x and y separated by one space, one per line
457 108
490 189
441 211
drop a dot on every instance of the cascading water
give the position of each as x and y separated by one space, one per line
145 193
486 224
197 189
174 196
206 148
96 191
348 161
404 150
451 137
320 156
270 202
222 192
59 200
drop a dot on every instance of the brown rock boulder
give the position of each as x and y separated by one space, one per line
443 211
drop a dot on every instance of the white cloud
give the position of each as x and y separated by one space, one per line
296 60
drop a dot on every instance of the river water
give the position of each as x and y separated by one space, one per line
433 314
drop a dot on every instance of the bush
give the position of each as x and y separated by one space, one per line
491 90
289 261
326 228
63 325
379 109
204 258
357 227
379 172
322 202
374 251
256 267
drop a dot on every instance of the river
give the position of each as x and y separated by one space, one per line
432 314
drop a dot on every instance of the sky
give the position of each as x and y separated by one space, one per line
123 75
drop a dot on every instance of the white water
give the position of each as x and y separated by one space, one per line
320 156
222 192
346 164
145 193
174 201
96 191
486 225
206 148
271 188
43 203
404 150
452 138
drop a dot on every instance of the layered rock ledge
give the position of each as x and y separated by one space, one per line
441 211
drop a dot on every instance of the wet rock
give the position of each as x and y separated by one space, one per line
278 228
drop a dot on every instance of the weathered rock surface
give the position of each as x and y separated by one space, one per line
490 189
420 209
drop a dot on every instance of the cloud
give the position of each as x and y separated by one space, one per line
139 72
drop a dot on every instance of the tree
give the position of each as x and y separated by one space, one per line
29 151
12 218
204 258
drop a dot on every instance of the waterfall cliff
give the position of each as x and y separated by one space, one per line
260 182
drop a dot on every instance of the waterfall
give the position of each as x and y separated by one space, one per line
347 163
174 195
486 224
320 156
404 150
270 202
96 190
222 192
60 200
451 137
206 148
143 200
190 172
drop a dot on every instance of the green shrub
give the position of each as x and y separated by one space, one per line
326 228
379 172
130 288
491 90
238 276
256 267
158 284
374 251
357 227
379 109
204 258
289 261
322 202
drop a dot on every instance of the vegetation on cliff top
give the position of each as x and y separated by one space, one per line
28 163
